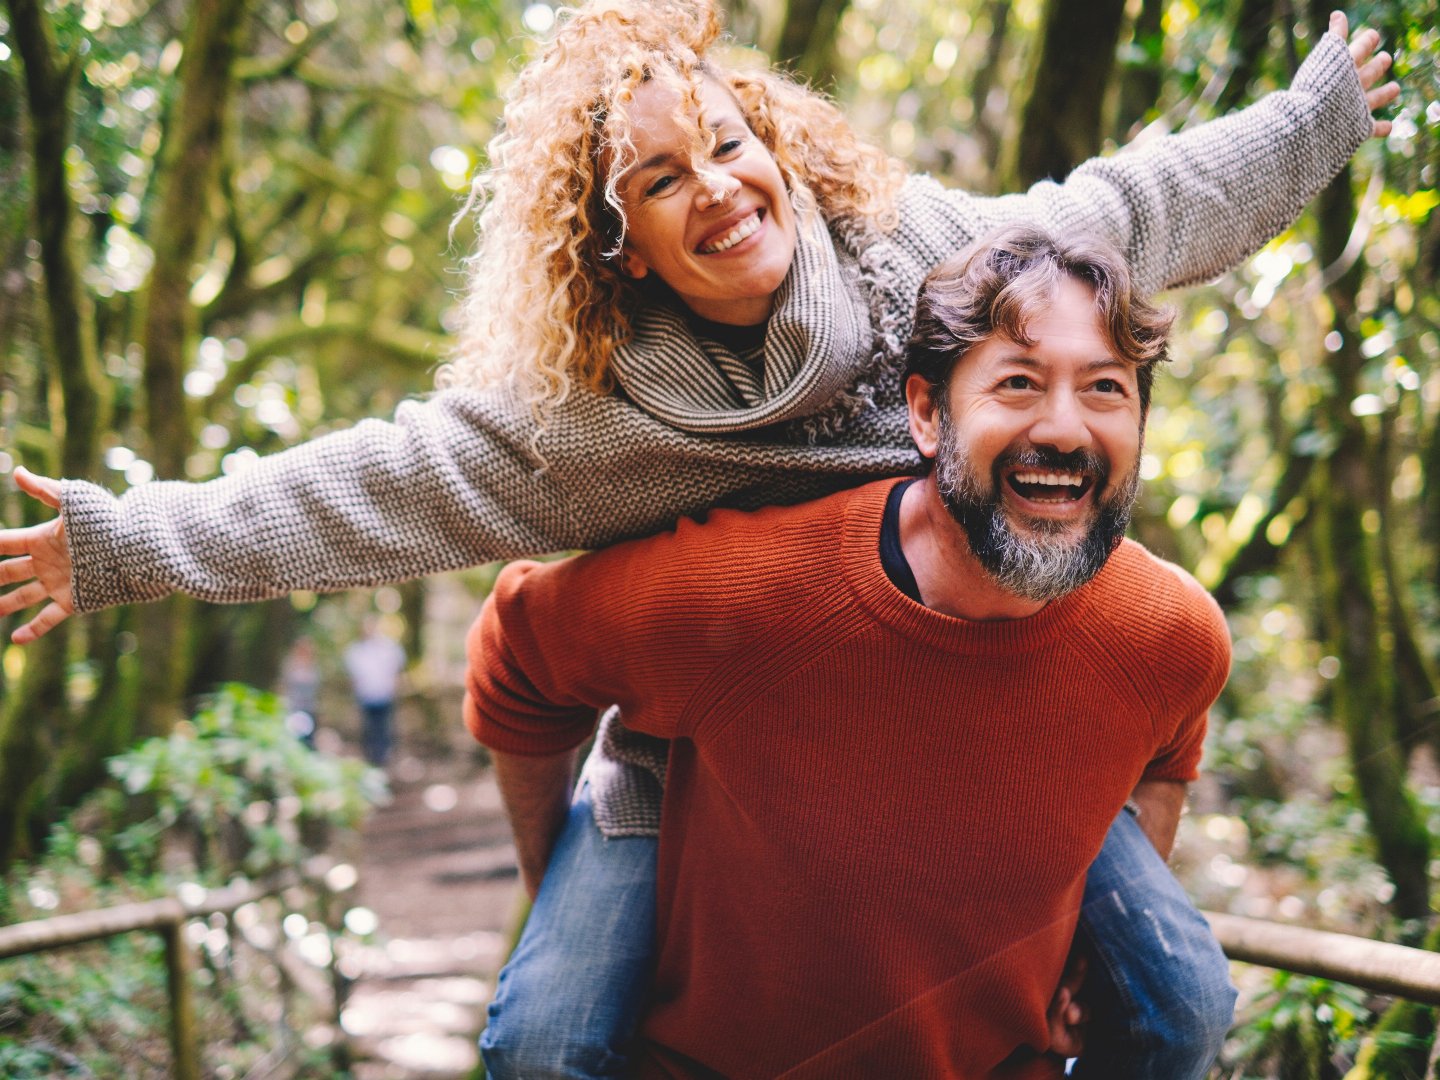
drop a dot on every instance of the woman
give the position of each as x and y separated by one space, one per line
693 287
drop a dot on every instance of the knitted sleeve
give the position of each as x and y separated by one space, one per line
1186 207
452 482
521 697
638 625
1192 661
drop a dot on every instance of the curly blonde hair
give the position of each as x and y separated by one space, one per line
546 303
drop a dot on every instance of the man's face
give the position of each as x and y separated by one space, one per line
1038 453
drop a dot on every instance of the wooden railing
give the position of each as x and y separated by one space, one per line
166 916
1372 965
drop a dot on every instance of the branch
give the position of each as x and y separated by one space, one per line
254 70
409 345
1259 554
346 83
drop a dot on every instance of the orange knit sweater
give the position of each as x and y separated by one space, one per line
878 818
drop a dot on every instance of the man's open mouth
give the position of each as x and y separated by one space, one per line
1050 487
746 227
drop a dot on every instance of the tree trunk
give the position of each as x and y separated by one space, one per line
35 712
1144 69
1415 683
74 356
807 39
986 129
1248 42
1365 694
1061 119
185 175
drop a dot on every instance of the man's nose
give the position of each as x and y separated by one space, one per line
1061 422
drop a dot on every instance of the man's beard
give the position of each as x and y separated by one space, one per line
1043 564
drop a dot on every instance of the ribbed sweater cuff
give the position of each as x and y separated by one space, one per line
98 549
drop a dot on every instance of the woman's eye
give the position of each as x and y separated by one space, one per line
660 185
726 147
1017 382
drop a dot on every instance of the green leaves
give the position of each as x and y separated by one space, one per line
241 788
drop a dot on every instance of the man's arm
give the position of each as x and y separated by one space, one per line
1160 803
536 793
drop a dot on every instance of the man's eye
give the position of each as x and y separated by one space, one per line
1109 386
1017 382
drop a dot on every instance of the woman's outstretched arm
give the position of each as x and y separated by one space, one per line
1186 207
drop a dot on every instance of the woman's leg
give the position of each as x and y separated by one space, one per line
568 1001
1160 992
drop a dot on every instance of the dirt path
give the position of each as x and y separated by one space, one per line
438 870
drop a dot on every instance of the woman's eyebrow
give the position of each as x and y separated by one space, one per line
663 157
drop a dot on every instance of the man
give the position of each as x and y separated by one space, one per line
904 717
375 664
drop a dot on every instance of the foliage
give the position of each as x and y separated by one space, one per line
231 790
237 783
1299 1029
323 294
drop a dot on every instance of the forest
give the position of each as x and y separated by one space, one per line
230 226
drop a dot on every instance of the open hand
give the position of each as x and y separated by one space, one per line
1371 67
41 560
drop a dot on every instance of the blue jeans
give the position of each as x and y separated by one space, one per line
573 992
1158 983
375 730
571 995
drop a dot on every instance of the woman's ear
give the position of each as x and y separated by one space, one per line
632 265
924 415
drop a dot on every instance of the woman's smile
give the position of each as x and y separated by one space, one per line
718 229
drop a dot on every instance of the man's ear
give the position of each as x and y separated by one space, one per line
924 416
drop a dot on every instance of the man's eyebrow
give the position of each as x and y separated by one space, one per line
1025 360
1108 362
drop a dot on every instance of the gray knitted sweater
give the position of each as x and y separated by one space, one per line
457 479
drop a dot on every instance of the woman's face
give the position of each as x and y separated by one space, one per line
720 231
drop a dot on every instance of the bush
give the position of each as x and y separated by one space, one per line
229 791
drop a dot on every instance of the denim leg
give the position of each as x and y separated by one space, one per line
568 1001
1160 992
375 732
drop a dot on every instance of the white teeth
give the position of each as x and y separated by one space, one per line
734 236
1051 479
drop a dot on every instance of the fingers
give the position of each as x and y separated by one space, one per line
1363 45
1382 96
26 541
25 596
1339 25
1067 1035
19 569
51 616
1373 69
40 487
